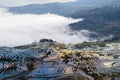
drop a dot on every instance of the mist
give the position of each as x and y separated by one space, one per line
20 29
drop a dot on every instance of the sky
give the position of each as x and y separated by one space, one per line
11 3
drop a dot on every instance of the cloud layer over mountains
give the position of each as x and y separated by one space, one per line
19 29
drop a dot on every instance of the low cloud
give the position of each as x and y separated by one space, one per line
19 29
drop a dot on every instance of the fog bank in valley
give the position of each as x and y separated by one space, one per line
19 29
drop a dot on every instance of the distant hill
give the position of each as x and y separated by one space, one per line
104 21
56 8
64 9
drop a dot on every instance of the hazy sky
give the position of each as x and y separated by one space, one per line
9 3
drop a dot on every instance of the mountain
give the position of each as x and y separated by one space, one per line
64 9
103 21
56 8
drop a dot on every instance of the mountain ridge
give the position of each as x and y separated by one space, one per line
64 9
103 21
